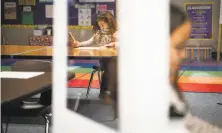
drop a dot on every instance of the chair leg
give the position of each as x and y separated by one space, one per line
99 79
77 103
90 82
2 131
46 116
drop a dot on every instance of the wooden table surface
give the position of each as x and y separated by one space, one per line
14 89
47 51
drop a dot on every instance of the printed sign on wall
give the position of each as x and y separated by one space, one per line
10 10
84 16
201 15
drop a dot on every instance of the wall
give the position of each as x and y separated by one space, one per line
216 13
20 35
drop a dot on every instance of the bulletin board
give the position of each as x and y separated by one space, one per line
201 15
39 12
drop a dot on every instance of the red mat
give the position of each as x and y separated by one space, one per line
191 87
83 84
185 87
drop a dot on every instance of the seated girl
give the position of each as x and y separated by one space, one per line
105 30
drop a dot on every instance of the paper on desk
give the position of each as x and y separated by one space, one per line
89 48
19 75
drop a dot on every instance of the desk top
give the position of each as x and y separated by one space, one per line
13 89
21 50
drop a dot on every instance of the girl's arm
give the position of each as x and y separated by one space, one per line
86 43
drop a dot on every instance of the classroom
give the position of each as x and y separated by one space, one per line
27 52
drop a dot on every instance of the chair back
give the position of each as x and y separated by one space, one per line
32 66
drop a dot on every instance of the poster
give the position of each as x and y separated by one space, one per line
101 8
10 10
27 15
27 18
48 11
84 17
27 2
201 16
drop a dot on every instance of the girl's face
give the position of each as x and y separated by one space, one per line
103 25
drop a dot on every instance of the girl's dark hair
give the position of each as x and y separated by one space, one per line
107 17
177 17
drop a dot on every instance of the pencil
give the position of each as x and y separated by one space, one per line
71 36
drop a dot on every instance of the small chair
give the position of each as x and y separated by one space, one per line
33 66
97 69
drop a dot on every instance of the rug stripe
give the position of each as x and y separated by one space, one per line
202 73
210 88
202 68
200 80
83 83
81 70
85 76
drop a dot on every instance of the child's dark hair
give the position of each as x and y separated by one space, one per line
107 17
177 17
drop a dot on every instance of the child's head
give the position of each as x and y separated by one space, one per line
105 20
180 29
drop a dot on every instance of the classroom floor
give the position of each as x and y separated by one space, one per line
194 76
205 108
201 83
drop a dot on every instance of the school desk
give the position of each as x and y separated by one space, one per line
22 51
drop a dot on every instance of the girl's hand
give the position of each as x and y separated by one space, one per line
74 44
112 44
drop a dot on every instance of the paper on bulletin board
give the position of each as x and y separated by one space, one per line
48 11
10 10
27 18
27 2
27 9
101 8
84 17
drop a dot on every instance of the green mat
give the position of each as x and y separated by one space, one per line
202 73
5 68
82 70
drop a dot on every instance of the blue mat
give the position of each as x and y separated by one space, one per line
201 68
84 65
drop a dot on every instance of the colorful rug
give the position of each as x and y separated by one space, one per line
194 76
